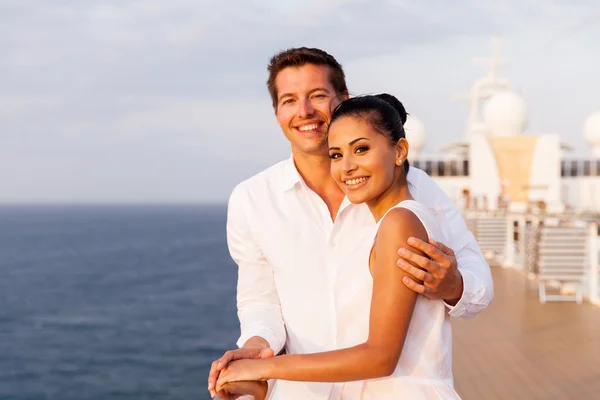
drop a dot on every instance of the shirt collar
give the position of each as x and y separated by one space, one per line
291 176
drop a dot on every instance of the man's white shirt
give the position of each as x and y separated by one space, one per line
289 253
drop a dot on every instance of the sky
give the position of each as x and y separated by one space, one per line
165 101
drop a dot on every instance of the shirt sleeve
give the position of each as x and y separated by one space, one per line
478 286
259 309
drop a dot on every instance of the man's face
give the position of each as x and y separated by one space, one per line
305 100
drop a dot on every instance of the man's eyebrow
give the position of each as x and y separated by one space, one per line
319 89
284 95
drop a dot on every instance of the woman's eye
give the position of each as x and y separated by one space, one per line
361 149
334 156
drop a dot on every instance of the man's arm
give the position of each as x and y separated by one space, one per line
259 310
454 271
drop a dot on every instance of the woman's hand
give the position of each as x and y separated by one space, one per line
242 370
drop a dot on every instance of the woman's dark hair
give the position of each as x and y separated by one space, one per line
383 112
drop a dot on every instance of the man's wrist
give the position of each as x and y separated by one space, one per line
257 389
457 295
261 391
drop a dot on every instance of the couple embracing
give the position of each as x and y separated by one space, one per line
350 261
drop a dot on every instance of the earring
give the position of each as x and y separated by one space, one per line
399 161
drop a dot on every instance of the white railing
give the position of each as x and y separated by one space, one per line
594 273
562 257
490 232
556 252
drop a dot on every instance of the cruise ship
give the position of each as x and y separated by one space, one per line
529 204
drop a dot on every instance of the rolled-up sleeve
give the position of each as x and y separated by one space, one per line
259 309
478 285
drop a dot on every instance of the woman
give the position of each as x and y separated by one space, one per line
394 343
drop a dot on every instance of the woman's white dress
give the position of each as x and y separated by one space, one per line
424 370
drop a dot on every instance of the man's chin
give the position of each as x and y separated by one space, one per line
314 148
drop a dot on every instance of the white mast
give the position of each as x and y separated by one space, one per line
485 87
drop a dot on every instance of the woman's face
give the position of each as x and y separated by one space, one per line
363 162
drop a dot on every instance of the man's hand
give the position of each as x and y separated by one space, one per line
253 349
439 273
234 390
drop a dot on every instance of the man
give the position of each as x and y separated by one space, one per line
289 226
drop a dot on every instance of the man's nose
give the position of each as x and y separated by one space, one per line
306 108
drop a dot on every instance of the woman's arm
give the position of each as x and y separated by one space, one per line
392 306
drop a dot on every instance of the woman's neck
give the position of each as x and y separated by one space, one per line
396 193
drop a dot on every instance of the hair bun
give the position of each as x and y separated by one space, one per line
394 102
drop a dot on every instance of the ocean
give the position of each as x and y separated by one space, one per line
113 302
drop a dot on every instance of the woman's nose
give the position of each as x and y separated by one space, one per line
348 165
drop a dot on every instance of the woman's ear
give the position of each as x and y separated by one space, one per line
401 151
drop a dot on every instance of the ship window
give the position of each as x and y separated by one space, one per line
428 168
574 169
587 168
453 168
441 168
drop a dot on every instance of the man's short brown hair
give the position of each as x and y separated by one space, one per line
297 57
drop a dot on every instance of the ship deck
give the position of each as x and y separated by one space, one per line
519 348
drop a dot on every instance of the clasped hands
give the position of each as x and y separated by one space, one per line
239 366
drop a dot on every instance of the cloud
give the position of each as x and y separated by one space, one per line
89 90
22 106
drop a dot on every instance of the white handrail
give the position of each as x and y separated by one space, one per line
594 270
518 254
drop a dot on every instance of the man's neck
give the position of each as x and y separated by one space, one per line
316 173
315 170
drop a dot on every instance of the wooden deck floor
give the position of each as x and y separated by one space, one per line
520 349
